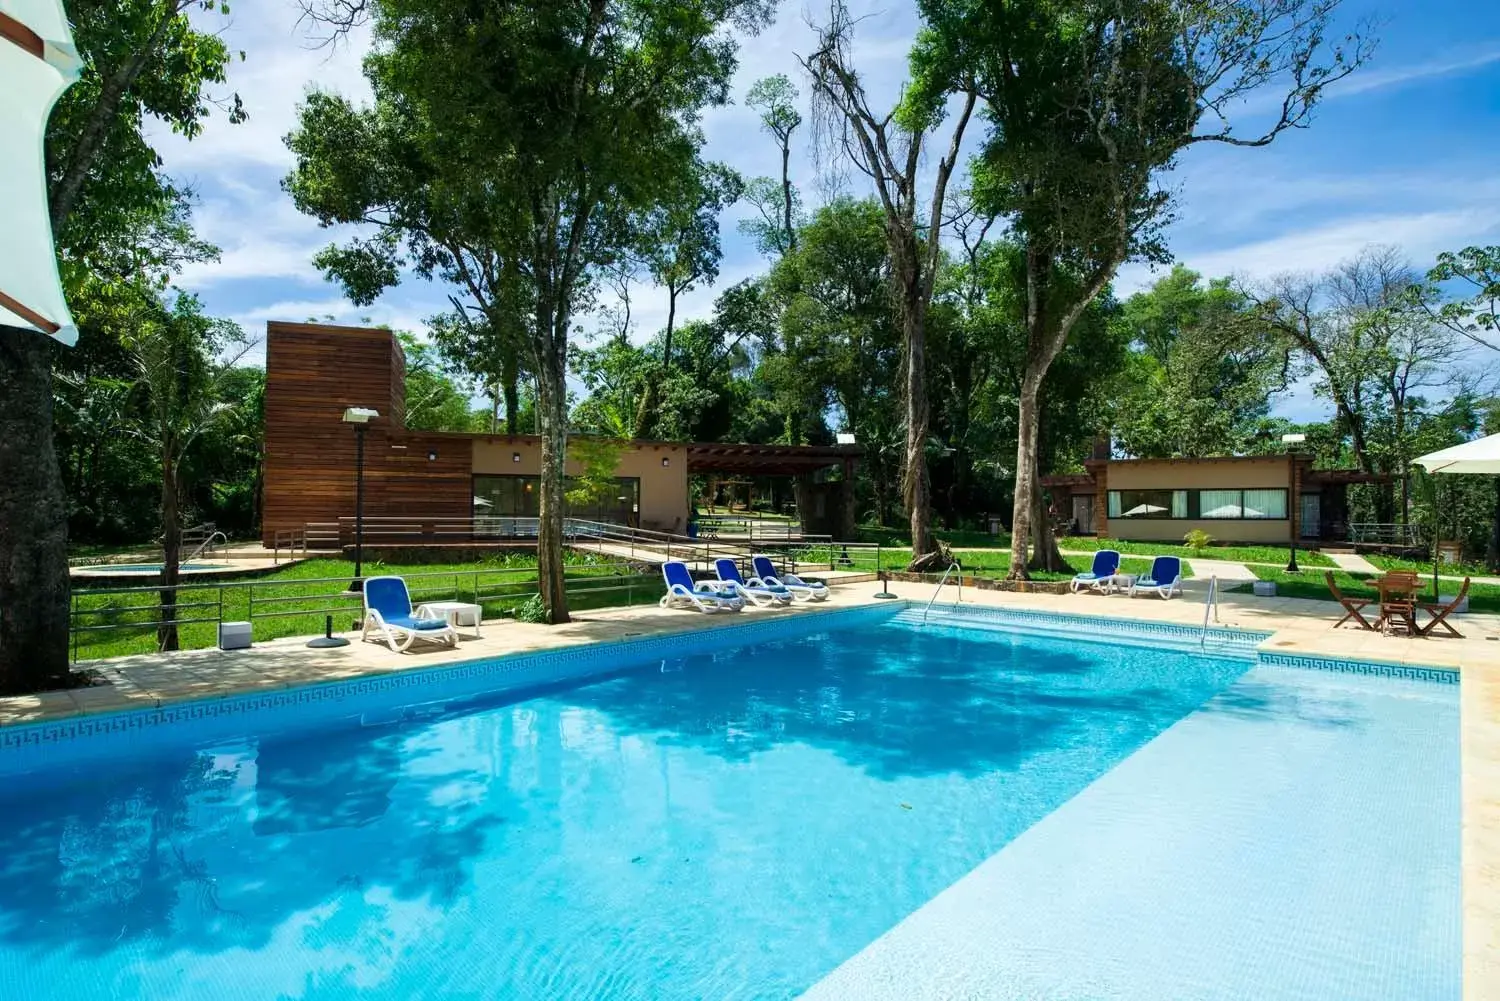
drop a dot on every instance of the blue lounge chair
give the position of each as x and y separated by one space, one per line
388 613
704 595
1165 578
765 573
1106 565
758 592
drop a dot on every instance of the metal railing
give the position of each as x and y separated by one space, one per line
207 546
294 540
98 615
1386 534
938 590
1210 601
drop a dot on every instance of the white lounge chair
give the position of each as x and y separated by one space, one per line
703 595
1106 565
765 573
388 612
1165 578
757 591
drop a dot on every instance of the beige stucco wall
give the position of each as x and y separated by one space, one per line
1189 475
1245 474
664 500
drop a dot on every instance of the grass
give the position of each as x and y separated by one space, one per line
1482 597
1278 555
976 562
1466 569
294 601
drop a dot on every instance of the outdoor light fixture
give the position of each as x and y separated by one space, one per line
845 438
1293 439
665 461
360 418
515 457
432 455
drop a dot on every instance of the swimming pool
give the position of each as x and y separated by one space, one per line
757 811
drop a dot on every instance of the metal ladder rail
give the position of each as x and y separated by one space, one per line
951 567
207 545
1210 601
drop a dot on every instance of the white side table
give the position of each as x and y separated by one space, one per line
1120 582
460 614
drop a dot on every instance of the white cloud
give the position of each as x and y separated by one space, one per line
1396 76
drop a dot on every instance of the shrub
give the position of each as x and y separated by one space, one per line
531 610
1198 540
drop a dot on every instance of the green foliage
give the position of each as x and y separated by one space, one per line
1198 540
595 482
434 401
532 610
1475 312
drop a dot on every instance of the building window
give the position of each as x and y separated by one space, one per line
1160 504
498 500
1209 505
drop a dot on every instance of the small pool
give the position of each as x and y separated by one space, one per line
808 803
109 568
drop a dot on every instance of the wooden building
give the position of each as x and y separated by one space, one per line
315 371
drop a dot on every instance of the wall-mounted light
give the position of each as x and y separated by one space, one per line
359 415
515 457
666 461
432 455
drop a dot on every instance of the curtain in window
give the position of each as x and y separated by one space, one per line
1220 504
1114 503
1269 504
1179 504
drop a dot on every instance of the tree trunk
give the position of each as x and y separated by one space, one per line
646 413
33 521
171 550
1023 511
786 196
1044 551
512 400
918 485
552 423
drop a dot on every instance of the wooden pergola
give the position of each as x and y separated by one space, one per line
769 460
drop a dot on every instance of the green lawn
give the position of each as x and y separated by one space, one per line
976 562
1482 597
1466 569
1238 554
294 601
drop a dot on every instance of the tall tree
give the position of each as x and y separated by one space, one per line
1475 311
775 97
142 61
176 350
888 148
680 248
541 134
1090 102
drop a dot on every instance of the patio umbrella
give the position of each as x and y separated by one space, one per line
37 63
1141 509
1480 457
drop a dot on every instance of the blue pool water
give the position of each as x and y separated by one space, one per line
152 567
731 824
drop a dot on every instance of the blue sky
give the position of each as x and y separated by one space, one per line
1406 152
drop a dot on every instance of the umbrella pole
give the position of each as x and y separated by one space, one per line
1437 532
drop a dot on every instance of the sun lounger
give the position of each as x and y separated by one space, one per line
388 613
1165 578
1106 565
703 595
765 573
758 592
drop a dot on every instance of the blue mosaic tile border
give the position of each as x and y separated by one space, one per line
1099 627
1411 672
67 741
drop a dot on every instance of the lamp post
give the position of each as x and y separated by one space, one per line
1293 502
360 418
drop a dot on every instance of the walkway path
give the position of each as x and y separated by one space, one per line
1353 563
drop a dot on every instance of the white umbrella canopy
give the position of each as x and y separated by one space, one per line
1480 457
37 63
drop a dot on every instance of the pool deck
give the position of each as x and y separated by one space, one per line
1297 627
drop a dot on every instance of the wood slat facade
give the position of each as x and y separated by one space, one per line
315 371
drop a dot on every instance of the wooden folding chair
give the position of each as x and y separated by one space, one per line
1439 613
1398 602
1352 606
